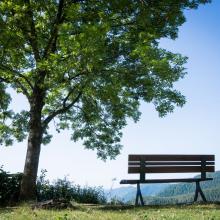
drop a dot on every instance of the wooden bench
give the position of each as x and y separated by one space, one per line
148 164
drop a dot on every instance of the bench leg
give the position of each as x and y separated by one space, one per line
139 195
199 190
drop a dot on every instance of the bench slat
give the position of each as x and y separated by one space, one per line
172 169
153 157
137 163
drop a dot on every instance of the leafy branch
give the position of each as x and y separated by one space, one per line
32 36
54 30
15 80
65 107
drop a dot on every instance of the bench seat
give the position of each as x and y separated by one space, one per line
189 180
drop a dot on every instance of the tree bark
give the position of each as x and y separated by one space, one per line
28 182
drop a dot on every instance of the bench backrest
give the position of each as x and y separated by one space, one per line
143 164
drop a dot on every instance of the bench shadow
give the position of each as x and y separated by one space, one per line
209 205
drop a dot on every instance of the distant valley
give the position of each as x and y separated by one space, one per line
167 193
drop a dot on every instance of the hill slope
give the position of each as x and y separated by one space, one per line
184 192
127 194
186 188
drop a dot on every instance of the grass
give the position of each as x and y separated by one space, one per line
87 212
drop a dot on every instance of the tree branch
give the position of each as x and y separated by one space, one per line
51 46
16 80
54 30
24 90
20 85
62 110
32 36
4 80
6 68
84 112
77 75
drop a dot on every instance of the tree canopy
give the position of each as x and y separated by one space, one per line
87 65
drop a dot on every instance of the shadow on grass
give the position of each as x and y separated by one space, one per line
4 210
199 205
116 208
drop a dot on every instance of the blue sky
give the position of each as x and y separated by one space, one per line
193 129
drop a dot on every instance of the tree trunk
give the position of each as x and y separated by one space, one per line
28 182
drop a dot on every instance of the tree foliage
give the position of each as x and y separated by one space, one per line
90 62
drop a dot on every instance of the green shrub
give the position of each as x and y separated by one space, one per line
65 189
9 187
59 189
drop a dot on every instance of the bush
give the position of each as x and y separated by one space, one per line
9 187
59 189
65 189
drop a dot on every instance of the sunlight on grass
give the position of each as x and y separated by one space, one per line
194 212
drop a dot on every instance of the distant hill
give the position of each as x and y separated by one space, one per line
185 188
184 192
212 195
168 193
127 194
122 193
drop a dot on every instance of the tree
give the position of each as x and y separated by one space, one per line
86 65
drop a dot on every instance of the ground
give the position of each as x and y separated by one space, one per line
88 212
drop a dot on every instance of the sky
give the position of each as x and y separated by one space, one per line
193 129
